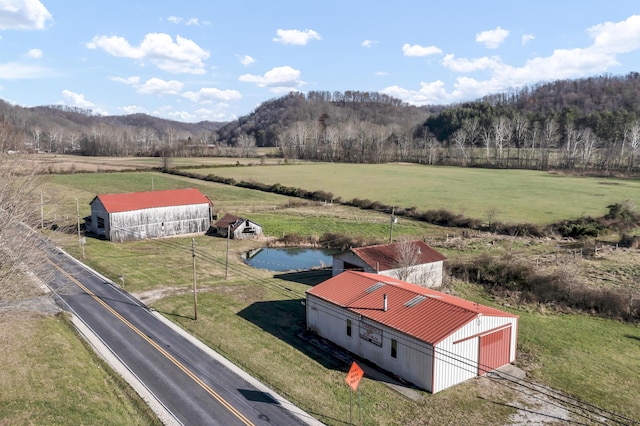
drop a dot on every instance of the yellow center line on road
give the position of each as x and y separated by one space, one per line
160 349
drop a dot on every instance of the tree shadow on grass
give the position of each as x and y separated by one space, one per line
286 320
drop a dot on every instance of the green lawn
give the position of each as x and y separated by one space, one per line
518 196
256 319
49 376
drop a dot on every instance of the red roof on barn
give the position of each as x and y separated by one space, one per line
115 203
384 257
420 312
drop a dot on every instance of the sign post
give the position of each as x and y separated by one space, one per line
353 378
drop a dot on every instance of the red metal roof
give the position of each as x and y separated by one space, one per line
432 317
384 257
115 203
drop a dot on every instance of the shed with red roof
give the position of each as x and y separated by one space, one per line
412 261
431 339
152 214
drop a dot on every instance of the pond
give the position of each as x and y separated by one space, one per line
289 258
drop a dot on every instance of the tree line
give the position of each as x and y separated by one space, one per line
587 124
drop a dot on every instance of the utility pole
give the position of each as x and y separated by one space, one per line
195 294
41 210
78 214
226 264
393 220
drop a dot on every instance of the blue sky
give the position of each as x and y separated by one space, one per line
196 60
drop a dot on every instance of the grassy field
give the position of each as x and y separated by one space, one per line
255 318
49 376
516 196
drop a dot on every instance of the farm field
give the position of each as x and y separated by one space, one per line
255 318
516 196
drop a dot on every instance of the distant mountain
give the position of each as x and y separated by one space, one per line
53 121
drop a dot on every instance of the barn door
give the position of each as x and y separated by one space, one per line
495 349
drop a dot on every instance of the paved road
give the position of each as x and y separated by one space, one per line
194 387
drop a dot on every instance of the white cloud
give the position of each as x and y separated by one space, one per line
219 113
617 37
492 38
417 50
526 38
23 15
157 86
609 40
276 79
77 100
296 36
381 73
134 80
246 60
34 54
187 22
210 94
368 43
153 86
20 71
181 56
133 109
464 65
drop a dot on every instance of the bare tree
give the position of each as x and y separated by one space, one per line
407 257
632 136
18 213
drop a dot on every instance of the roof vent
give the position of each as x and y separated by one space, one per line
413 302
374 287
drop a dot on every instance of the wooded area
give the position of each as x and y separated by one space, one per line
588 124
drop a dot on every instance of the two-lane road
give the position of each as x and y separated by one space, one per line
194 387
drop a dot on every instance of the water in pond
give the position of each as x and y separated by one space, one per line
289 259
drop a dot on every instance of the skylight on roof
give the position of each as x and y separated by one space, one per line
374 287
413 302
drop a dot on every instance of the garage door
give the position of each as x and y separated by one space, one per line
494 350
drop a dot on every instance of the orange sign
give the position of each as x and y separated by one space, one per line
354 376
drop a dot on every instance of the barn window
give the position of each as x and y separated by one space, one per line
394 348
349 327
100 223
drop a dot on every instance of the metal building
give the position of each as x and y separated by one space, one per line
154 214
412 261
431 339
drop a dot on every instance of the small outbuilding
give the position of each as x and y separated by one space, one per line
431 339
153 214
412 261
236 227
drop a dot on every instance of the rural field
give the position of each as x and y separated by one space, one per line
255 318
516 196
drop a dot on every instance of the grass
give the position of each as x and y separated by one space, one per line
256 319
518 196
50 377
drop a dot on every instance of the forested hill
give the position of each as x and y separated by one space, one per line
605 105
590 123
267 123
59 128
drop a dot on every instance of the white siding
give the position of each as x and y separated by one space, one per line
457 362
414 358
425 275
159 222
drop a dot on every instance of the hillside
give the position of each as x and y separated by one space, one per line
587 124
56 128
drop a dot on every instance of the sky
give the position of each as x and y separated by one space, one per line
196 60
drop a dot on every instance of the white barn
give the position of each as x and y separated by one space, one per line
412 261
428 338
153 214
